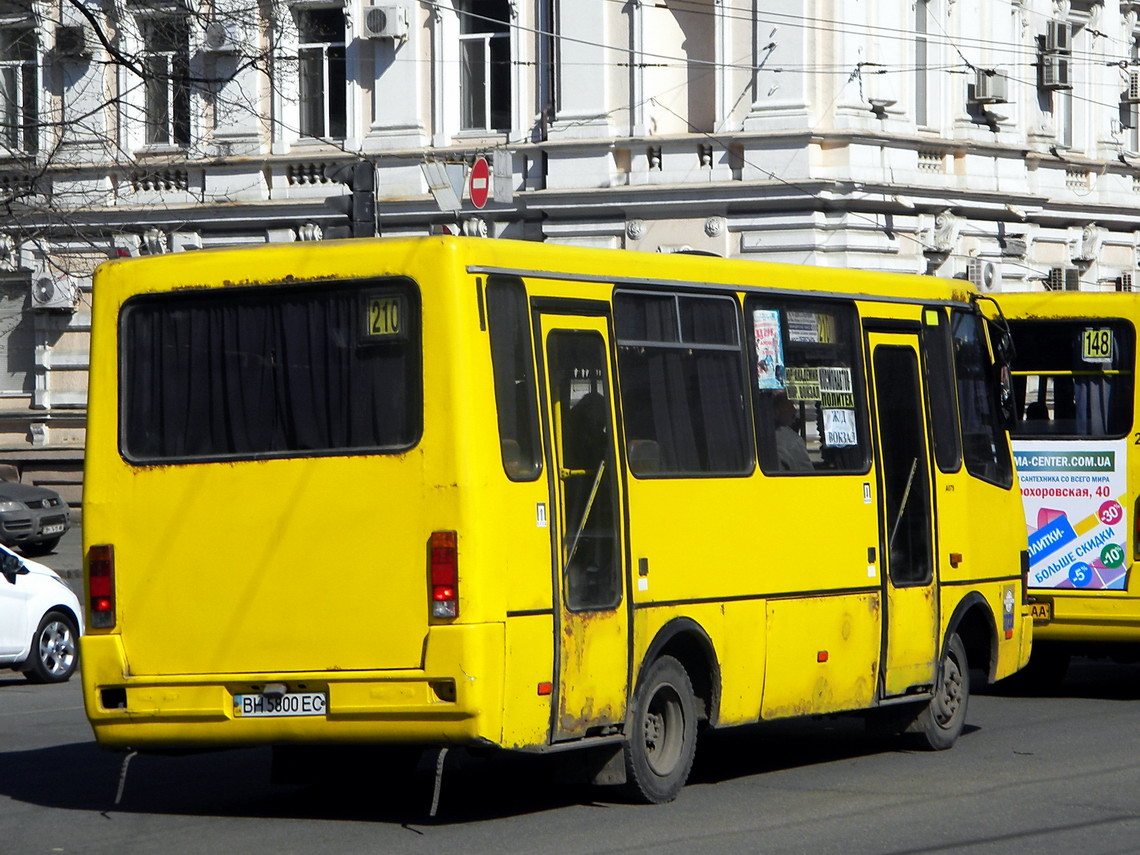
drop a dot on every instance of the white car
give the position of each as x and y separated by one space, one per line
40 620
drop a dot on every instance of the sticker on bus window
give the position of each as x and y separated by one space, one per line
384 317
835 388
839 428
803 383
769 349
1096 345
811 327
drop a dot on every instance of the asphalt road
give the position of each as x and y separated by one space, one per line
1041 774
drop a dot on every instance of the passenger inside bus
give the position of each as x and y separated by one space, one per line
790 449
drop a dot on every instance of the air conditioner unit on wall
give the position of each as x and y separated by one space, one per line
54 292
1063 279
1132 93
1055 72
991 87
73 40
385 22
1059 37
224 36
985 274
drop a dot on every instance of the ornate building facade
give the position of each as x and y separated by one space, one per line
996 140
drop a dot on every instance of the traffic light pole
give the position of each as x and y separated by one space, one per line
359 205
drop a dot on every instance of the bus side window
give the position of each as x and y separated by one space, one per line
681 364
938 351
511 361
807 385
984 446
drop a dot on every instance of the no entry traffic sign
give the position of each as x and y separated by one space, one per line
480 182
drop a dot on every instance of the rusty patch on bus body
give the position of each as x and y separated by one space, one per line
575 660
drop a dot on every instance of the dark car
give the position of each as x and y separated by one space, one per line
32 518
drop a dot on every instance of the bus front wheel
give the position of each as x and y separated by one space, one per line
660 747
940 722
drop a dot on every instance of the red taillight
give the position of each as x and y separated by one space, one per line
444 575
101 585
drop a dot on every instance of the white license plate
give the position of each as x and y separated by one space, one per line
268 706
53 529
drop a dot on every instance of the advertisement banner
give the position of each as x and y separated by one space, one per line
1074 493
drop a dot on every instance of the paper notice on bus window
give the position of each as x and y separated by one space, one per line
835 388
769 349
802 327
839 428
812 327
1076 512
802 383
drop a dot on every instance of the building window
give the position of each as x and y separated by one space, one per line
17 339
323 83
921 82
166 63
1131 109
19 88
1063 112
485 62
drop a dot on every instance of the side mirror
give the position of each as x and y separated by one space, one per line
1008 409
11 565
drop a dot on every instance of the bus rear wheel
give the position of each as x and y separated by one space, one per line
940 722
660 747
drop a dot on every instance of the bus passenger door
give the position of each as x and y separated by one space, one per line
906 537
588 546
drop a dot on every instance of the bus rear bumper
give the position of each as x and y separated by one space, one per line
456 698
1100 617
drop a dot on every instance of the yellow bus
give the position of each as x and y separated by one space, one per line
446 491
1074 372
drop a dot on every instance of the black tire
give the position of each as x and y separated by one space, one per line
41 548
55 650
940 722
662 741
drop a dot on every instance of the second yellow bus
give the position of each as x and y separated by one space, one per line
1074 372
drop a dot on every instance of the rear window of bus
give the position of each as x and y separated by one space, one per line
1073 377
270 372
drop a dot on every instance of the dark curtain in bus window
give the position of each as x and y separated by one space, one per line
1073 377
275 374
682 384
512 365
943 400
984 447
